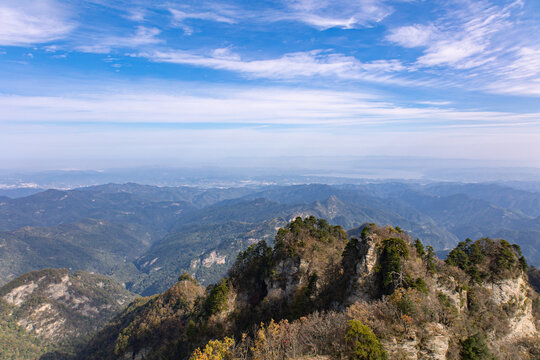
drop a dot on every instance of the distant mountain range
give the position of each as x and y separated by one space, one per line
145 236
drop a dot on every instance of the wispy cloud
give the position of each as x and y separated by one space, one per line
345 14
320 14
279 105
526 64
25 23
136 14
218 15
487 44
435 103
288 66
221 122
143 36
462 39
180 16
412 35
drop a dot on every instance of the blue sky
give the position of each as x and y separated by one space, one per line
87 84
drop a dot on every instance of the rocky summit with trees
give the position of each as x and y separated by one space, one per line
323 293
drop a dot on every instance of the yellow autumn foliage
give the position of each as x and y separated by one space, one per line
215 350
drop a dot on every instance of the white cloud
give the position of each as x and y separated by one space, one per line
435 103
214 13
251 106
288 66
180 16
526 65
23 23
95 49
321 14
523 87
137 14
143 36
478 45
412 36
451 52
100 126
464 38
345 14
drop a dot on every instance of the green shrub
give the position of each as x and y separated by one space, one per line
364 344
523 263
458 256
406 305
486 258
217 299
394 249
475 348
430 259
420 285
505 258
290 240
419 248
366 229
186 277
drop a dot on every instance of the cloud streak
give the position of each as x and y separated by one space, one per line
143 36
480 45
289 66
319 14
252 106
24 23
344 14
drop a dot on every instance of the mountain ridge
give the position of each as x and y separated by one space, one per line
412 303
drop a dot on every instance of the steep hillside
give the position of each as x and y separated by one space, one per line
54 207
88 230
204 250
198 197
53 310
322 293
90 245
526 202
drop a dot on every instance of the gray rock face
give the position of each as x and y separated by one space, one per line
55 304
514 293
363 285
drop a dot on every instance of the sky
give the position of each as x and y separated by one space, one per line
104 83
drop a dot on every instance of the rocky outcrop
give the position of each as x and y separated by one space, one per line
513 295
363 282
55 305
433 345
509 301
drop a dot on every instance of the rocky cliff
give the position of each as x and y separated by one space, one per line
58 309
